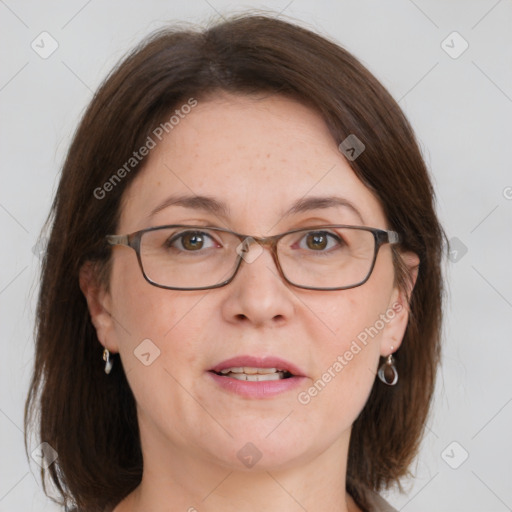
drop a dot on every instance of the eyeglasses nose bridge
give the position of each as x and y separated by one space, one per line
244 249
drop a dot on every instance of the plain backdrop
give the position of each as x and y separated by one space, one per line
456 89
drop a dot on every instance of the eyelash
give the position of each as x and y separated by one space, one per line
179 236
205 235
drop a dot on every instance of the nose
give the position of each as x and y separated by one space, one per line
258 295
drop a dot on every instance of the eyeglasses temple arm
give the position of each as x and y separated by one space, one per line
393 237
117 239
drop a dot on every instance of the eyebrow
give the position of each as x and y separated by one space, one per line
208 204
211 205
317 203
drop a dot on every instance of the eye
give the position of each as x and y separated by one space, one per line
192 241
319 241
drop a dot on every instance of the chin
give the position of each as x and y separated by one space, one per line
257 448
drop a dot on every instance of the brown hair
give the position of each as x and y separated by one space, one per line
90 418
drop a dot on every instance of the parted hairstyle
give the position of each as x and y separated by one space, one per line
90 418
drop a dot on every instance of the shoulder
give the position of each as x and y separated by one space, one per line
378 503
79 510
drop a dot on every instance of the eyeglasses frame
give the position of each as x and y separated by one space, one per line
381 237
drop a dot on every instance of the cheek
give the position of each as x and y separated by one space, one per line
143 312
350 347
362 305
346 358
347 327
347 316
158 333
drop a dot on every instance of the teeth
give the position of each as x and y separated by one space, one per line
256 377
236 369
248 370
252 374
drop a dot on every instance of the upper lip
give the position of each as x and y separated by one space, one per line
258 362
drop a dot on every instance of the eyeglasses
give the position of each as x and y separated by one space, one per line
184 257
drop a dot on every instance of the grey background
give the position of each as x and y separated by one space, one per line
461 110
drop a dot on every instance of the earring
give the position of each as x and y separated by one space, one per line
387 372
108 361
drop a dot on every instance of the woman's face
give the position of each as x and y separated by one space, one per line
256 158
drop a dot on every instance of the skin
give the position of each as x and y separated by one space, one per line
258 155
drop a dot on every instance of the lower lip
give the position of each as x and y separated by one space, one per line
263 389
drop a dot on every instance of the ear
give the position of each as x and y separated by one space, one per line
99 303
398 307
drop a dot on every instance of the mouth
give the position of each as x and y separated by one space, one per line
253 374
256 377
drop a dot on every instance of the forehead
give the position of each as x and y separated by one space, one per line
257 155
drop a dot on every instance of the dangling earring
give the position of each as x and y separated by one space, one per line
387 372
108 361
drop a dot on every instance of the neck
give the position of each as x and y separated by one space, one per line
175 479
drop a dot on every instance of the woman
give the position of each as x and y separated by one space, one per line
240 305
